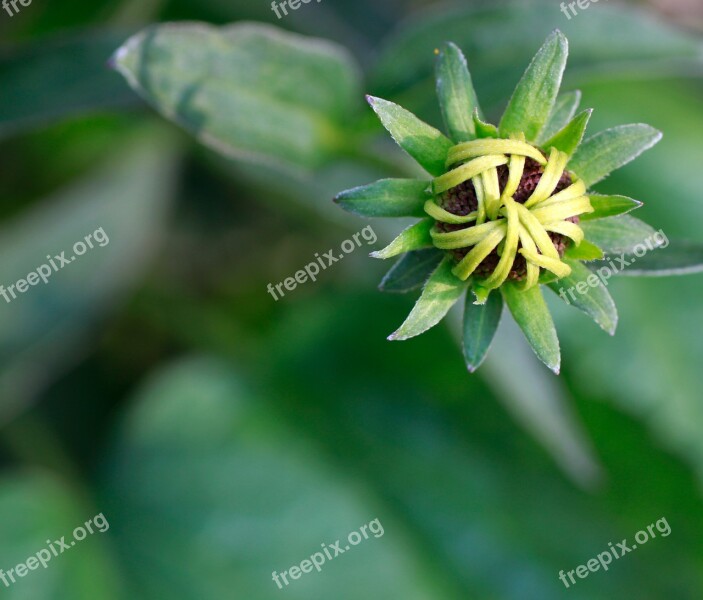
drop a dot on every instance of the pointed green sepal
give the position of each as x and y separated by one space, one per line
669 259
532 102
480 326
427 145
484 130
411 271
609 206
585 290
386 198
532 315
564 110
609 150
584 251
568 139
457 97
414 237
620 235
440 293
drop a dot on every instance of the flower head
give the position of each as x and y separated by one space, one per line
507 207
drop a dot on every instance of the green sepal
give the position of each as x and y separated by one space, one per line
415 237
457 96
564 110
609 206
532 102
440 293
568 139
532 316
619 235
671 258
427 145
386 198
584 251
585 290
484 130
411 271
480 325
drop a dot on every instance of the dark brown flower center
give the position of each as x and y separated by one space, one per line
461 200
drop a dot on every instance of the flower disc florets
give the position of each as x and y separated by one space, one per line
505 211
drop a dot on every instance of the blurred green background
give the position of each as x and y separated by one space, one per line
225 435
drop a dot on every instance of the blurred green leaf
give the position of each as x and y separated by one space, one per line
427 145
584 251
248 90
609 150
411 271
387 198
440 293
533 100
532 315
56 78
36 507
123 207
619 235
457 97
253 497
594 300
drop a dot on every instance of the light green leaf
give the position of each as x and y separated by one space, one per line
532 102
247 90
411 271
414 237
255 496
586 291
609 206
564 110
609 150
584 251
440 293
621 234
387 198
457 97
36 507
671 258
480 326
569 138
427 145
56 78
532 315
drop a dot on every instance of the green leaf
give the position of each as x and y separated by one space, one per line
609 206
620 235
123 207
609 150
411 271
568 139
414 237
564 110
671 258
427 145
480 326
56 78
253 491
457 97
247 90
532 315
36 507
585 290
584 251
532 102
387 198
440 293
